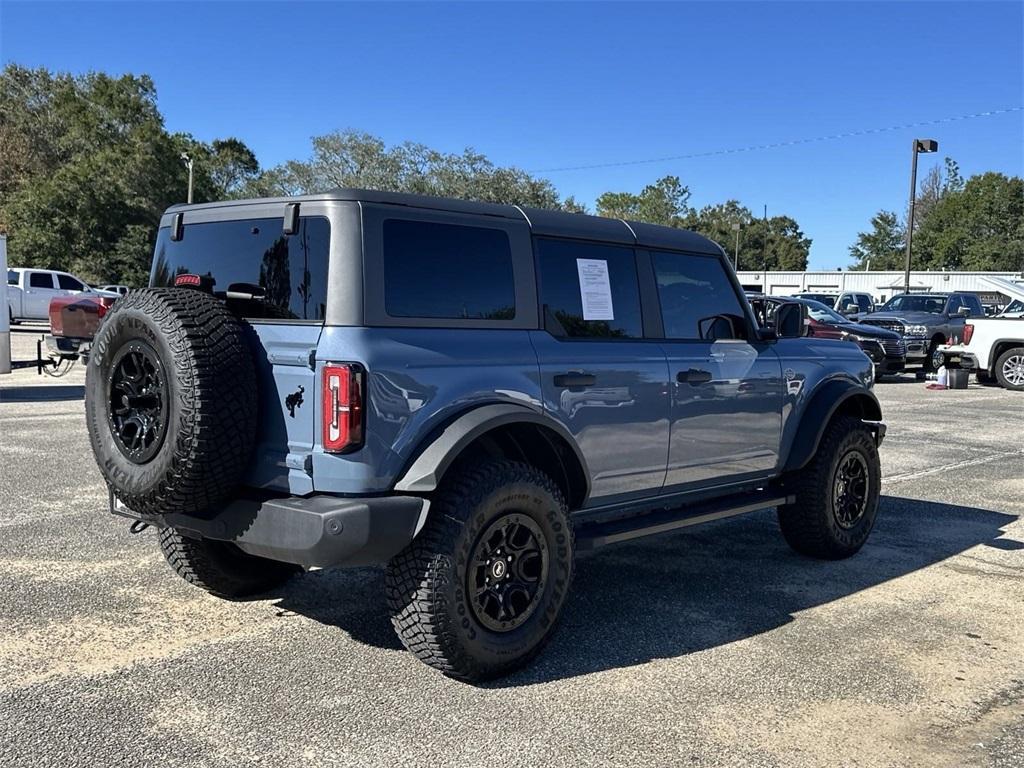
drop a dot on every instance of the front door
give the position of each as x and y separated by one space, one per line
599 377
726 387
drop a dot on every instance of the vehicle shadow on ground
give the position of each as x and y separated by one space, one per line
674 595
47 393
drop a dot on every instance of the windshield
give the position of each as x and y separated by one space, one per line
1017 305
823 314
825 298
933 303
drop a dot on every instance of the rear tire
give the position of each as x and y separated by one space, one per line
221 568
479 592
836 494
1010 369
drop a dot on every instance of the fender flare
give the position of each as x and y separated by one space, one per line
823 405
438 451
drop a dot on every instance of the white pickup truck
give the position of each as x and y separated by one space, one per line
993 348
29 292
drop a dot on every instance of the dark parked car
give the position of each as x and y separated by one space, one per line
926 321
468 392
886 349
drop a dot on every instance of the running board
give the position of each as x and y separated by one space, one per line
593 535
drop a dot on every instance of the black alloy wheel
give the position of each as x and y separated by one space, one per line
850 489
508 570
138 401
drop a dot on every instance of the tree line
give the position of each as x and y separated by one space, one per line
972 225
87 167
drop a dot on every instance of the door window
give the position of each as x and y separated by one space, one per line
589 290
697 297
68 283
40 280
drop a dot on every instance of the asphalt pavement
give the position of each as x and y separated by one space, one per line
713 646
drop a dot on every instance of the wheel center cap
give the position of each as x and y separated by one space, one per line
498 569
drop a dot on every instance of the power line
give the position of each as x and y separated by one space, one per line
780 144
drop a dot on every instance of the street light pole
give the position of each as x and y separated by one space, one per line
189 162
736 253
920 145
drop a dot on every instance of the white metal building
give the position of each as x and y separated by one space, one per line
882 285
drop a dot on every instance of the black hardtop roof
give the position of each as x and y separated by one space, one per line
541 222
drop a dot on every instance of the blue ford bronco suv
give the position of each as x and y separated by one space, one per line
469 393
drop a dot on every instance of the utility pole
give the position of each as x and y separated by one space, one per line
920 145
764 242
189 162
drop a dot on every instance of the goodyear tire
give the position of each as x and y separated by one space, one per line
170 401
836 493
221 568
479 592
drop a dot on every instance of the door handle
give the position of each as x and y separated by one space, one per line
575 379
693 376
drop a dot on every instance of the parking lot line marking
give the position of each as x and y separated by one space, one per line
948 467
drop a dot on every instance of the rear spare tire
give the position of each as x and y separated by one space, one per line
170 401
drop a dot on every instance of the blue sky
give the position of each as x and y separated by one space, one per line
552 85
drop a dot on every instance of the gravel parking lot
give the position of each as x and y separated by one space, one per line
713 646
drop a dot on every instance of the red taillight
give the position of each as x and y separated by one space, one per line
968 333
343 407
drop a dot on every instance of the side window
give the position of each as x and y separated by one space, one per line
974 304
68 283
589 290
864 302
40 280
695 295
954 305
447 271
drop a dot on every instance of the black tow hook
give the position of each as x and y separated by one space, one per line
138 527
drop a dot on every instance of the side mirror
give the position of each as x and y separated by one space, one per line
791 320
964 312
850 308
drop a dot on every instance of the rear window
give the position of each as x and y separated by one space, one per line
12 277
589 290
447 271
262 272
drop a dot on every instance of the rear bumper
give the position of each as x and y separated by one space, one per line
312 531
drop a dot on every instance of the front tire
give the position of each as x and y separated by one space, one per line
836 494
479 592
1010 369
221 568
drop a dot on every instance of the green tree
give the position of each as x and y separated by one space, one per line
355 159
87 168
775 244
977 227
883 246
664 202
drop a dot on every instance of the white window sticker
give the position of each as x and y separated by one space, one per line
595 290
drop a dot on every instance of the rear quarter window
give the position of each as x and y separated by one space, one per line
447 271
262 272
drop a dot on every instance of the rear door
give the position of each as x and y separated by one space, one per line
599 376
39 289
726 412
276 282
